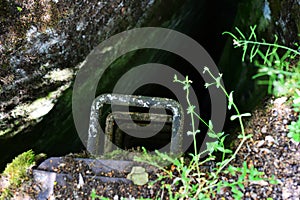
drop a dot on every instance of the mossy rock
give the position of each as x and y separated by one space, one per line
16 172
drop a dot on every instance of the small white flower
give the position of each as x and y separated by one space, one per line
236 43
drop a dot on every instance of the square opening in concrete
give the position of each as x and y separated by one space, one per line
118 133
99 141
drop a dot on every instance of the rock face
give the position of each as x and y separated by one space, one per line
40 38
41 45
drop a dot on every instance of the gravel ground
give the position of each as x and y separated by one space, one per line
270 151
121 188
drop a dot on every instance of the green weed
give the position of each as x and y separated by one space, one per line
279 63
194 182
197 184
19 9
294 131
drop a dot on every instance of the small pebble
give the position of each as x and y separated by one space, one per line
280 101
253 195
270 140
274 113
264 129
260 182
260 143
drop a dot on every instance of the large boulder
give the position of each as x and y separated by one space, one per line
42 43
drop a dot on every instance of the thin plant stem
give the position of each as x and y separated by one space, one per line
245 42
194 134
241 125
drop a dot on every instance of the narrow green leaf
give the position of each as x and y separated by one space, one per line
208 84
186 86
232 170
229 33
230 100
241 186
249 136
210 125
222 139
266 55
189 133
19 9
175 78
252 28
273 180
244 52
218 81
220 149
206 69
211 134
191 109
254 53
228 151
233 117
238 30
220 134
246 115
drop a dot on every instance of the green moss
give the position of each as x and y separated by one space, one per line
16 171
6 193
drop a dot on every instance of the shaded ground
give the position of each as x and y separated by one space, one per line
270 151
